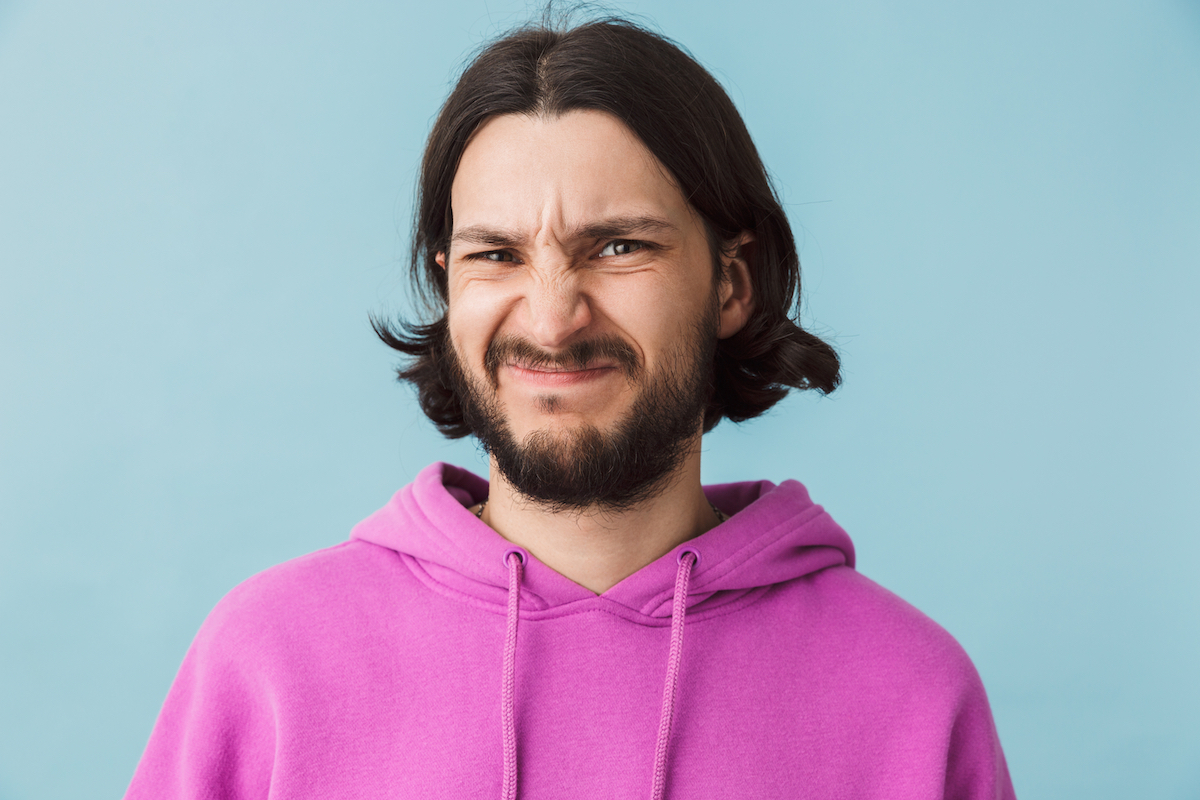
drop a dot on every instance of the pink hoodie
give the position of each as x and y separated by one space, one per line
420 659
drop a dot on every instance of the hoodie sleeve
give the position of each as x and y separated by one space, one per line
975 765
215 735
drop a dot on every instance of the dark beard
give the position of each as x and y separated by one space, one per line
609 470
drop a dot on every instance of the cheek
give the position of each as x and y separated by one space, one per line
655 315
467 336
474 319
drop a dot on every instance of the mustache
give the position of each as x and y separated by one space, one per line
577 355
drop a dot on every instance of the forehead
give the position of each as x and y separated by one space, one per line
523 172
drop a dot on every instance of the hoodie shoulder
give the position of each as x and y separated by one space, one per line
913 663
881 632
300 593
320 570
286 633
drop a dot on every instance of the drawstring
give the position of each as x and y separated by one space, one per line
514 559
687 560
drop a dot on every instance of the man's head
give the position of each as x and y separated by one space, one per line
609 268
583 310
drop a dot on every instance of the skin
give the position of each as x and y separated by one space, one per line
567 228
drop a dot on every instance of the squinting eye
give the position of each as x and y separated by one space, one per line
497 255
620 247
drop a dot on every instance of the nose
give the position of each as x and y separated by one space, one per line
558 309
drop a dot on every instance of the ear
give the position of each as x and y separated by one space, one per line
736 292
440 258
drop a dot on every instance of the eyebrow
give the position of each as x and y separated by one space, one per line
611 228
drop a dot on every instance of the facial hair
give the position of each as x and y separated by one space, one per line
587 467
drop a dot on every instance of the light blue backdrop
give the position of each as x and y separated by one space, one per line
200 202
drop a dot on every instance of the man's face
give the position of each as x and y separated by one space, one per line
582 314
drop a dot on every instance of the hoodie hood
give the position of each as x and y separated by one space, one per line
775 533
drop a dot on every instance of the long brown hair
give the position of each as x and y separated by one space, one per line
688 122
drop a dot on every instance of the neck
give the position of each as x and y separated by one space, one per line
598 548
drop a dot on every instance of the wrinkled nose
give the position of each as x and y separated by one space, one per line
558 309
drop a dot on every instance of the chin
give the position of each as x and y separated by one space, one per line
562 430
555 413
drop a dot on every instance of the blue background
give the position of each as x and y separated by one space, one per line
999 213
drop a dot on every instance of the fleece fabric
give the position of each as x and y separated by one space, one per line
373 670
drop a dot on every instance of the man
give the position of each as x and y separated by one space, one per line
611 275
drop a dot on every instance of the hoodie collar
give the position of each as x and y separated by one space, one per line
775 533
